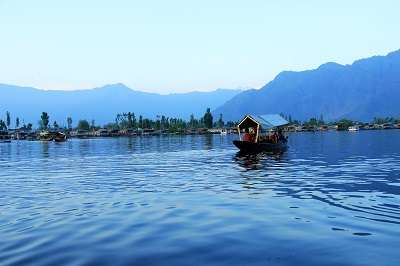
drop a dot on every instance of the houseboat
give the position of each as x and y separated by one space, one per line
258 133
354 128
102 132
4 137
388 126
45 136
81 134
21 135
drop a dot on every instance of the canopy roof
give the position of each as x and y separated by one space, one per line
264 121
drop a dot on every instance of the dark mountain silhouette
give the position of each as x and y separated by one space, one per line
102 104
366 89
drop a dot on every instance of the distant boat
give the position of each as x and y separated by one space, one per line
354 128
102 132
324 128
4 137
388 126
20 135
60 137
273 139
224 132
45 136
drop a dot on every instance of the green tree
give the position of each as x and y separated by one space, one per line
321 120
311 122
344 124
17 122
384 120
220 121
140 121
83 125
3 125
29 126
93 124
8 119
163 122
111 126
130 120
208 119
192 122
69 122
201 122
158 124
55 125
230 124
119 118
134 125
44 120
166 123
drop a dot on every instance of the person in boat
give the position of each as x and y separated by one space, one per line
275 137
281 137
253 134
247 136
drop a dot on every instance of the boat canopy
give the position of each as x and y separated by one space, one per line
265 122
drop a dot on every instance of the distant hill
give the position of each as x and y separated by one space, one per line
365 89
102 104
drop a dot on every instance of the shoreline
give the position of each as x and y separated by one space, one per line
34 136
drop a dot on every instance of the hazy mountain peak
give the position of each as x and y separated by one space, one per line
368 88
114 87
284 74
103 103
330 66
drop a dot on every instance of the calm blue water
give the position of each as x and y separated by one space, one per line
332 199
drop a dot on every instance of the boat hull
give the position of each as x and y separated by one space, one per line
60 137
251 147
46 138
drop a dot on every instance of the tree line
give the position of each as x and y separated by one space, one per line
130 121
125 121
344 121
162 122
4 125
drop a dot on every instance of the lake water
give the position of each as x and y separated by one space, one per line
332 199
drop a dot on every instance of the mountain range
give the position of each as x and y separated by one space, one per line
363 90
103 103
366 89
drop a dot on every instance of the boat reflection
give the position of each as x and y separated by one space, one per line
257 161
45 149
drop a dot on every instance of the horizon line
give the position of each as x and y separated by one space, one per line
238 88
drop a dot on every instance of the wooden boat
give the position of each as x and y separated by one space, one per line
60 137
267 134
45 136
251 147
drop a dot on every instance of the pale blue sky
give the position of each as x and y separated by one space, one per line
182 45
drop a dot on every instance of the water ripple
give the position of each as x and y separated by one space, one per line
195 200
